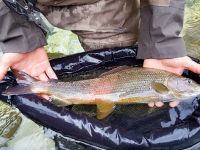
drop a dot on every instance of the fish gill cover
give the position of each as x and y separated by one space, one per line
129 126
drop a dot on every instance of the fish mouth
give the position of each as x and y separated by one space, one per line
195 92
198 91
191 93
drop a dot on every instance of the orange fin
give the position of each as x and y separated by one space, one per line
104 109
115 70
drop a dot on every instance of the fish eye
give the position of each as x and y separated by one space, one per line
189 81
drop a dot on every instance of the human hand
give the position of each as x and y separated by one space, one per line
34 63
175 65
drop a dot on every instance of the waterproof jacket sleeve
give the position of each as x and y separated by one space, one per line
17 34
161 24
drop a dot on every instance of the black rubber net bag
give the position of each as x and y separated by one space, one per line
134 126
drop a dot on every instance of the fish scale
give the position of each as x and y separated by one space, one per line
129 79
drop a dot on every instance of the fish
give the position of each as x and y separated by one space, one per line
121 85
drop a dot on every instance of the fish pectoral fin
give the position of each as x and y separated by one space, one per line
104 109
160 88
115 70
59 101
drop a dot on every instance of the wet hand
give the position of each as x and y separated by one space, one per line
175 65
160 104
34 63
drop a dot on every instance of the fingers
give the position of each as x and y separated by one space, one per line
157 104
173 104
3 71
192 66
151 104
46 97
43 77
160 104
50 73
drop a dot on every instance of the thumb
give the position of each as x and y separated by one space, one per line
192 66
3 71
50 73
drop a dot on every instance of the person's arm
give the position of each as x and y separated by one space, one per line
160 45
22 44
161 24
159 42
18 35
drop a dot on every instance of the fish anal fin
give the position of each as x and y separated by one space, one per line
115 70
104 109
160 88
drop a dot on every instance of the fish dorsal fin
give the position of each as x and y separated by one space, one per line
23 78
104 109
159 88
115 70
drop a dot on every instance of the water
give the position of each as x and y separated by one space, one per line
10 121
191 32
26 134
30 136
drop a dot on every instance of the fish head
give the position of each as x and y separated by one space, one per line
184 87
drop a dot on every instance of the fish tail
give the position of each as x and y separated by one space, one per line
18 90
23 78
26 85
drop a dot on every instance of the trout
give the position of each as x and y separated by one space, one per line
119 86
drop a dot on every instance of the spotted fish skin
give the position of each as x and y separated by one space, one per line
118 86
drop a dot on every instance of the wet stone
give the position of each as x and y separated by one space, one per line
10 121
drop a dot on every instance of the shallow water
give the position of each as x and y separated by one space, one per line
26 134
191 32
10 121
